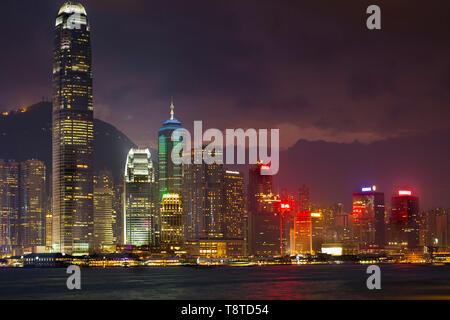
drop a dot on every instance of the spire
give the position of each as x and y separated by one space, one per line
171 108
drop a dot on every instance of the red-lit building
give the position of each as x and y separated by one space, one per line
308 232
263 214
404 220
368 218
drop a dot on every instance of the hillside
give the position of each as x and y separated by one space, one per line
26 134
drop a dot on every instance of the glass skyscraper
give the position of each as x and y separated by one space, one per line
72 132
103 212
368 217
9 205
170 174
404 220
140 220
33 203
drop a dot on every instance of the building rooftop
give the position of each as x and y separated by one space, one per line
72 7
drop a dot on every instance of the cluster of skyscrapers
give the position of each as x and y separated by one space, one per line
196 209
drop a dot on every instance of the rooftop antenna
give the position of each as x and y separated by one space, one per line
171 108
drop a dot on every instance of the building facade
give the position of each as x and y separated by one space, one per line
104 238
203 200
170 175
404 220
368 217
264 220
234 205
9 206
73 132
33 203
140 216
171 220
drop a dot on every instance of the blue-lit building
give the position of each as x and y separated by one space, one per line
170 174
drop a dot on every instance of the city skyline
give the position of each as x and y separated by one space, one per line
169 205
223 151
129 95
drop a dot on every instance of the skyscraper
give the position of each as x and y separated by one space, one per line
203 200
170 182
103 212
72 132
9 205
171 220
170 175
302 233
308 232
32 203
263 213
140 219
403 223
368 217
303 199
234 205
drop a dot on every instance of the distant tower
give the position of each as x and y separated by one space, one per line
404 220
203 200
33 199
73 132
234 205
263 214
103 212
170 180
304 202
139 216
368 217
170 174
9 205
171 220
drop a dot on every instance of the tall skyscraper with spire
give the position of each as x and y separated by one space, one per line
73 132
170 174
170 180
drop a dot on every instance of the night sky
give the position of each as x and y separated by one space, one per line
310 68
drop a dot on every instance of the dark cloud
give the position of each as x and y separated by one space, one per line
308 64
310 68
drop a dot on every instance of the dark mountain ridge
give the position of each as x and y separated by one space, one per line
27 133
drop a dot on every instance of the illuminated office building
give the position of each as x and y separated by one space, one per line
234 205
317 230
258 186
171 220
343 226
403 222
436 228
203 200
302 234
9 206
304 202
263 214
103 212
140 220
170 177
308 232
118 211
32 203
73 132
368 217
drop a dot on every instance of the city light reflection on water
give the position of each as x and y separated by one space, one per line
267 282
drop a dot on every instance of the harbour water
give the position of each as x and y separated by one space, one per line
265 282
